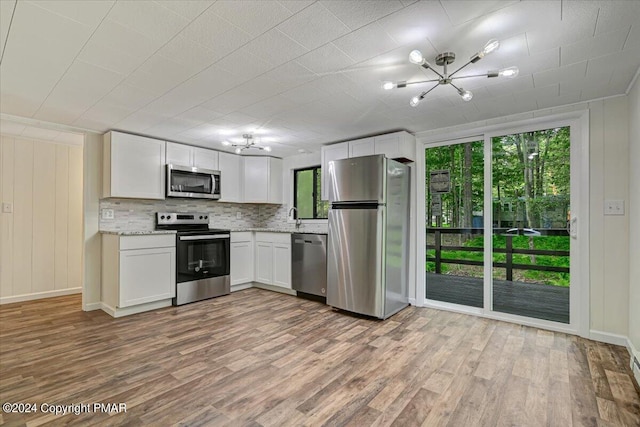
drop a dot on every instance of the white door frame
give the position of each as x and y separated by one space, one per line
579 295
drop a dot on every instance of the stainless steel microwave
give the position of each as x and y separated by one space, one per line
191 182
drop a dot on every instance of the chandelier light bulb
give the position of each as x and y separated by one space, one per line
414 101
225 143
510 72
388 85
416 57
238 150
491 45
466 94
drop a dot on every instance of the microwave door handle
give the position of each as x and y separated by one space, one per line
209 237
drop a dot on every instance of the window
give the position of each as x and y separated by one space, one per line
306 194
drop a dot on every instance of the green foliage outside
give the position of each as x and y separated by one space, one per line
557 243
307 196
530 189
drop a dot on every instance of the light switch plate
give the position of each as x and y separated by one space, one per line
107 214
7 207
614 207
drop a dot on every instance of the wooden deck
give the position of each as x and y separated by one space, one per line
524 299
260 358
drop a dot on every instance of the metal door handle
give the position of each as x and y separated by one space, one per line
572 227
210 237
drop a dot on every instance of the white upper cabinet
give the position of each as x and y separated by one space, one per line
231 177
133 166
186 155
262 180
205 159
179 154
397 145
330 153
361 147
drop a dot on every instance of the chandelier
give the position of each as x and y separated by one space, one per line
446 78
249 143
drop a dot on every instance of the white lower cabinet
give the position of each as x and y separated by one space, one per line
241 258
137 270
273 259
282 264
264 262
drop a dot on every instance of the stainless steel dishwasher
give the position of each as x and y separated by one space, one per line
309 264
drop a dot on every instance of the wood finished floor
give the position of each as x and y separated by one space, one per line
262 358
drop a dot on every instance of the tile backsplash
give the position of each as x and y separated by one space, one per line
139 215
134 215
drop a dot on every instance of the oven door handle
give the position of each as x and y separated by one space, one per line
209 237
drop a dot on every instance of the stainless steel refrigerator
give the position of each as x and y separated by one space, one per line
368 241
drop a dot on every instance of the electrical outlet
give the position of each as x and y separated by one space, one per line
238 215
108 214
7 207
614 207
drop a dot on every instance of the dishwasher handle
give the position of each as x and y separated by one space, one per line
307 242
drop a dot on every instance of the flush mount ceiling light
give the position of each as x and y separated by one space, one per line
249 143
444 78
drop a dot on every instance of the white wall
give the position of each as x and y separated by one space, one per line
41 240
609 235
634 217
92 241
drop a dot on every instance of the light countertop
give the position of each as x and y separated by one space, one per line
278 230
137 232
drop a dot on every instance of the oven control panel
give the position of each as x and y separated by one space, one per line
181 218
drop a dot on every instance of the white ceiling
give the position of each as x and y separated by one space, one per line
300 73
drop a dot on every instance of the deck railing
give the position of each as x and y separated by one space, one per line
509 250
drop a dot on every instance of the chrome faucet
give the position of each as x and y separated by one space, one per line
298 220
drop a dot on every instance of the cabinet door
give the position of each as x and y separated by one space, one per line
275 180
137 166
179 154
396 145
230 177
256 179
329 153
282 265
361 147
241 262
264 262
205 159
147 275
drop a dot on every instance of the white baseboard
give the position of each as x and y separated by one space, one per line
608 337
40 295
412 301
92 306
274 288
635 360
126 311
241 286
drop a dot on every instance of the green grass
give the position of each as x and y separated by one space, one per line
558 243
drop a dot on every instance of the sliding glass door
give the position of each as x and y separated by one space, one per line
531 207
454 223
518 185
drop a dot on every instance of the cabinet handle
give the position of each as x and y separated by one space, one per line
216 236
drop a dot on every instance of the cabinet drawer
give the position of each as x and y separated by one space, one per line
241 236
262 236
147 241
281 238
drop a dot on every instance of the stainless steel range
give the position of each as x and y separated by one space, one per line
202 256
